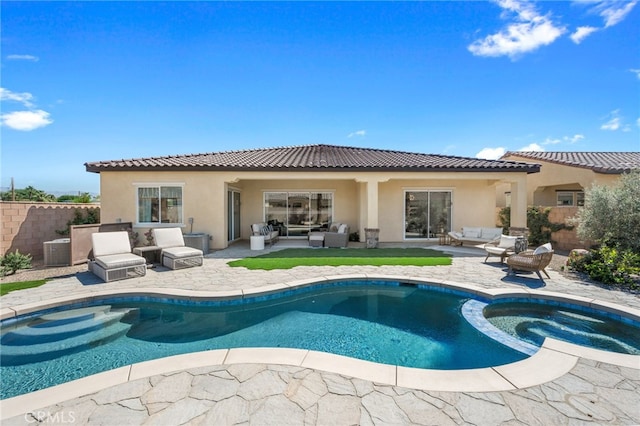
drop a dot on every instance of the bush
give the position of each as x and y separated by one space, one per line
11 262
92 216
609 265
540 227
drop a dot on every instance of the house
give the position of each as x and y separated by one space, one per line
407 196
564 176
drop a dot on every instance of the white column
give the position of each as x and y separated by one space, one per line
519 203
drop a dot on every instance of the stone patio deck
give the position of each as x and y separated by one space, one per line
224 389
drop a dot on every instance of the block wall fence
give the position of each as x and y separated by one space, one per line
26 225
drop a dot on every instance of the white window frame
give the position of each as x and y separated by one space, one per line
574 197
159 186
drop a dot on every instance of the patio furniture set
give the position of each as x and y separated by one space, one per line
113 258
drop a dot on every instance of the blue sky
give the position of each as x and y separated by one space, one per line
89 81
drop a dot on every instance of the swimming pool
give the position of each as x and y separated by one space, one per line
388 322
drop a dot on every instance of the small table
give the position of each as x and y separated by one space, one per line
150 253
257 242
444 239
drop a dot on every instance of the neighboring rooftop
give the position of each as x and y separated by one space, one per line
599 162
312 158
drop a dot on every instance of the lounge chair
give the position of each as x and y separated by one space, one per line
531 260
502 247
113 259
174 254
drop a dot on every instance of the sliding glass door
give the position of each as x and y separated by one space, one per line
427 214
298 213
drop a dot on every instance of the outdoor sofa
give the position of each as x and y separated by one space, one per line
174 254
474 235
270 234
112 257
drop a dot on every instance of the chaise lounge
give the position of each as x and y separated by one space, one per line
502 247
174 254
112 257
531 260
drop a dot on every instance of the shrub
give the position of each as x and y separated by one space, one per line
12 262
91 216
609 265
540 227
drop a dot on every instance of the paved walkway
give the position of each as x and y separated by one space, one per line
592 392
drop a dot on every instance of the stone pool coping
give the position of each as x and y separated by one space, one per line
554 359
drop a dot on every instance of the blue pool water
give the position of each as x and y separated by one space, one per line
382 321
390 324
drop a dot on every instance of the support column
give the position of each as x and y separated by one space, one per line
372 204
519 203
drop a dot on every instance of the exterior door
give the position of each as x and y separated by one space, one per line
233 215
427 214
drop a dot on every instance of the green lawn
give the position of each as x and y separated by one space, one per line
288 258
7 287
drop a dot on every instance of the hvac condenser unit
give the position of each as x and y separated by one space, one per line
57 252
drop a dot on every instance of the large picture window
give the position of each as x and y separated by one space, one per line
160 204
295 214
427 214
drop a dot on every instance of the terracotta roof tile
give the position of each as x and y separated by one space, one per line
310 158
600 162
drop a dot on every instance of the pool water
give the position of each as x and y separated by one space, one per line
533 322
385 323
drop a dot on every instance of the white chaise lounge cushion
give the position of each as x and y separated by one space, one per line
122 260
168 237
181 252
107 243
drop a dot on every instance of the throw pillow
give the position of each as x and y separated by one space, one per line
342 229
507 241
545 248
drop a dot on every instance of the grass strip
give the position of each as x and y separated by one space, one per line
290 258
21 285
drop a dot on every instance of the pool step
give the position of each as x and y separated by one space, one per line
61 336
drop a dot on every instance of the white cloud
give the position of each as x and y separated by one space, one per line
26 120
532 147
614 123
23 58
491 153
636 72
360 133
582 33
574 138
529 31
24 98
613 11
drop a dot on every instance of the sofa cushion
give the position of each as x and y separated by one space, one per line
469 232
490 233
342 228
108 243
181 252
168 237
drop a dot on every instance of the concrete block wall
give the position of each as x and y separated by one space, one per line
26 225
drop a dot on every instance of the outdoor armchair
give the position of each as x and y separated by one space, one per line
502 247
337 236
112 257
531 260
174 254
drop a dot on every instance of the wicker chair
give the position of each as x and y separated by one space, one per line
531 260
174 254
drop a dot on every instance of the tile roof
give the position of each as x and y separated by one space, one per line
599 162
312 158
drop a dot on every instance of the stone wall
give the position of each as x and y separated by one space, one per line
26 225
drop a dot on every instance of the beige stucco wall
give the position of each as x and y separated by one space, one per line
205 197
542 187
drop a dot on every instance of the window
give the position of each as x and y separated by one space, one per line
427 213
160 204
298 213
570 198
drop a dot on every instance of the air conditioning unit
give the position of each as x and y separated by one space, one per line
57 252
197 240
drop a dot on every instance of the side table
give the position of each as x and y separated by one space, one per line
444 239
150 253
